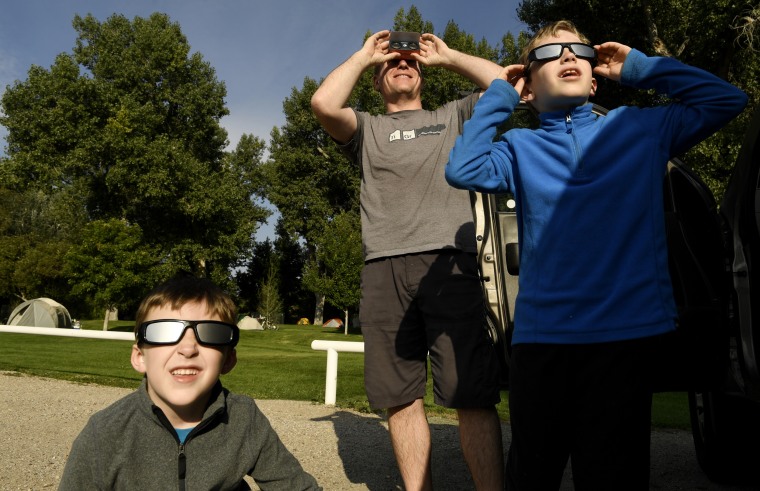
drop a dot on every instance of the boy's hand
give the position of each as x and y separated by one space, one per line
515 76
610 59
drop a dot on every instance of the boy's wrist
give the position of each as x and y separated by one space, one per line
629 72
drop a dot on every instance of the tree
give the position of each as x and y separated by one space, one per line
129 122
717 36
251 276
286 255
336 268
291 255
35 232
307 178
270 303
111 264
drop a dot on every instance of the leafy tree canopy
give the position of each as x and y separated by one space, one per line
128 126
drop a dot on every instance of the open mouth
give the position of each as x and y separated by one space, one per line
569 73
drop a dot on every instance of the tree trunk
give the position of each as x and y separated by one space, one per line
345 324
111 314
319 310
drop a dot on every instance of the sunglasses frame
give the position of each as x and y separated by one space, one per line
141 331
532 54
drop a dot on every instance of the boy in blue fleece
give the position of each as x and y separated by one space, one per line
595 294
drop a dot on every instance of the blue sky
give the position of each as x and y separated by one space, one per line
260 49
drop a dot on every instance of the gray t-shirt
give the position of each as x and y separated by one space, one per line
406 204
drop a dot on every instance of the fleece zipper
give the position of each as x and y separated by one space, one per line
181 466
181 457
570 130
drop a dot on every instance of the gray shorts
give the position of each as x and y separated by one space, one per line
426 303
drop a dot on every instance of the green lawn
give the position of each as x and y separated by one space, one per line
271 365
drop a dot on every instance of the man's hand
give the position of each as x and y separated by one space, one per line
610 59
433 51
375 48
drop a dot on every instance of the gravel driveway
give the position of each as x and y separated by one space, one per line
343 449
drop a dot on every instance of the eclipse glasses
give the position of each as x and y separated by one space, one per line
553 51
404 43
170 331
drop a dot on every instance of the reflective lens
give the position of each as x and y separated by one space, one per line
554 50
166 331
405 45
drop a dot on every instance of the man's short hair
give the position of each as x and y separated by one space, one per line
182 290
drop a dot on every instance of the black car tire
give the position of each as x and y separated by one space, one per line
726 429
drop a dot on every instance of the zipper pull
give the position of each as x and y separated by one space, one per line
569 123
181 466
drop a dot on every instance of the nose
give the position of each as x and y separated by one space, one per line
567 54
187 345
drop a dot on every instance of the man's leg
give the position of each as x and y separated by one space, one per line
410 436
480 437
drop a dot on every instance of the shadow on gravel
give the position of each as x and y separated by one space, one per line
365 449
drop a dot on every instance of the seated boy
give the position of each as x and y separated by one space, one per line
595 294
181 429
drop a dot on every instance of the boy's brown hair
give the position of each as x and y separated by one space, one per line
182 290
550 30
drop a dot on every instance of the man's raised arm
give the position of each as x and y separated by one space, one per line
329 101
435 52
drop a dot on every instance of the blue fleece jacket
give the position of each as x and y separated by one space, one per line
589 194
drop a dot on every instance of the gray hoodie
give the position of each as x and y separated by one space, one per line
132 445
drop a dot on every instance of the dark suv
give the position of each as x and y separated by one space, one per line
715 351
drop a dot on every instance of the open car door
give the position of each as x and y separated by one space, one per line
726 414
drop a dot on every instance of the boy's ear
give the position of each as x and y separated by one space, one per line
230 360
526 94
138 359
592 93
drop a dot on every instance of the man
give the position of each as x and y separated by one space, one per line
420 286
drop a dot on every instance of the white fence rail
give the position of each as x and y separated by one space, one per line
71 333
331 373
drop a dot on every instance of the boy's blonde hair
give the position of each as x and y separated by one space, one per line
182 290
550 30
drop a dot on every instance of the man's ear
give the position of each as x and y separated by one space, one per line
138 359
230 360
592 93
